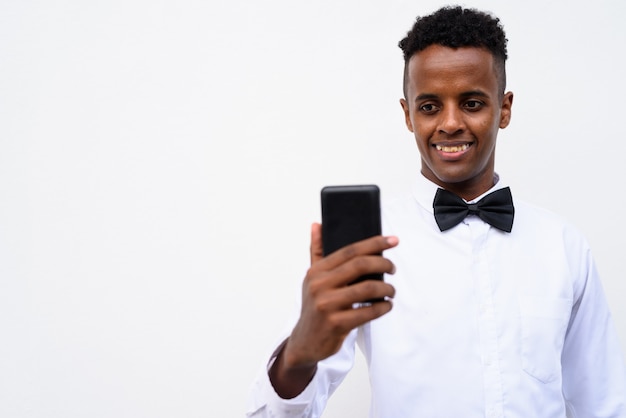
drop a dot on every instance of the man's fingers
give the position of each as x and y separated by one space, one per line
352 318
317 250
356 267
370 246
346 297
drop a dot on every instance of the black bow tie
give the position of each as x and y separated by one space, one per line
496 209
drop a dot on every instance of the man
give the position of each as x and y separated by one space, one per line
493 315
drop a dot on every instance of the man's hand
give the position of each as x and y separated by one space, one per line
328 313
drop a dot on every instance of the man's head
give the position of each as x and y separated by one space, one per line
457 27
454 101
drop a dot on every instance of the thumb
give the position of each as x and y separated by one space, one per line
317 250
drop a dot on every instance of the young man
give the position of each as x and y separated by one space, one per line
497 310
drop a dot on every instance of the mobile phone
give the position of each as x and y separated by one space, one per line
350 214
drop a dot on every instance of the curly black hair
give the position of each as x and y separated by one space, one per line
456 27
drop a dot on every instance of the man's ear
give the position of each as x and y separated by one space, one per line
407 114
505 110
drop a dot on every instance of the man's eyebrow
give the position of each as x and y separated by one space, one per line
478 93
470 93
426 96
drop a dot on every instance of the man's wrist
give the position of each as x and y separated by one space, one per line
289 380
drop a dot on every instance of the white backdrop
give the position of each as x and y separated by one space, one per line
161 161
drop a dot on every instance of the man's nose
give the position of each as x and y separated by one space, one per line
451 121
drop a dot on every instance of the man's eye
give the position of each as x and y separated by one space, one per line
473 104
428 108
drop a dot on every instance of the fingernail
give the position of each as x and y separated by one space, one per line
392 240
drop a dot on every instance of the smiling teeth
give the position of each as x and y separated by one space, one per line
455 148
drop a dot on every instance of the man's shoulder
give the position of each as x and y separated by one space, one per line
538 213
404 206
531 218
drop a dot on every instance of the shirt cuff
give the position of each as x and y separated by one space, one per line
273 405
300 406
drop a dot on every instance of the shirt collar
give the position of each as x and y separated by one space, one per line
424 191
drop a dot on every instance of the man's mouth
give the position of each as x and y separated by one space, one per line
452 148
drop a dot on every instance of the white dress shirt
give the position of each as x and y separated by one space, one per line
484 324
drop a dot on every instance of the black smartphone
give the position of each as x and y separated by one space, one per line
350 214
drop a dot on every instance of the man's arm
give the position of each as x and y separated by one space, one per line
594 376
328 313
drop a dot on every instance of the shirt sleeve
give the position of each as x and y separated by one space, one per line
594 375
264 402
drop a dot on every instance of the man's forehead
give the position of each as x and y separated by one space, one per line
438 56
440 65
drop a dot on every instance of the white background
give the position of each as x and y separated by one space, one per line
161 161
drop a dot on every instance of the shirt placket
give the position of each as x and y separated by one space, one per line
487 324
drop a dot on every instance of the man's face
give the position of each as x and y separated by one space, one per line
454 109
